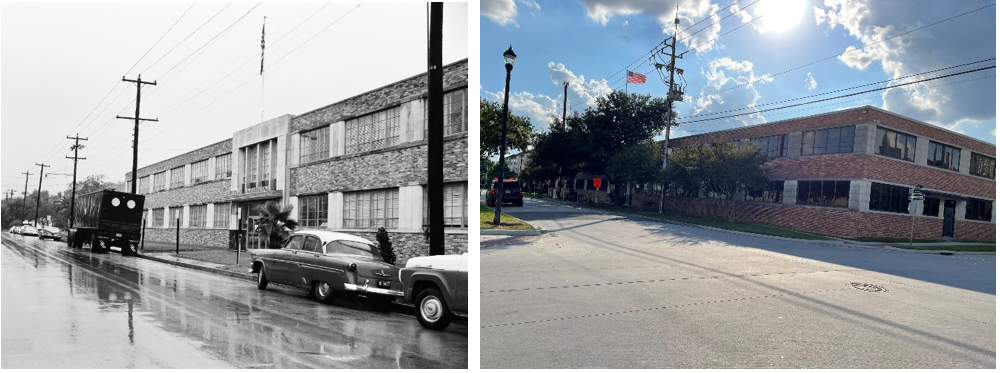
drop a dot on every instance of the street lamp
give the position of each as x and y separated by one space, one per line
508 62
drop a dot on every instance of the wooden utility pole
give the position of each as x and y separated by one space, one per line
135 135
565 95
24 201
72 199
673 94
435 130
38 197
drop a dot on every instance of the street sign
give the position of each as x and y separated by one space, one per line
918 197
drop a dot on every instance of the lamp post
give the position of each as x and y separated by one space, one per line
508 61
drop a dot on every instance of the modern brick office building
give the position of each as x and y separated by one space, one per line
848 174
353 166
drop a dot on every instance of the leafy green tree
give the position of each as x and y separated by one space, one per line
723 169
519 134
619 121
638 165
276 222
562 151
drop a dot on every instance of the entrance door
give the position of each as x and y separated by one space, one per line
949 219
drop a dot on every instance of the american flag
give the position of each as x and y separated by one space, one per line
634 77
262 46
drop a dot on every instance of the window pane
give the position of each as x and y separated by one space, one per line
807 142
847 139
820 147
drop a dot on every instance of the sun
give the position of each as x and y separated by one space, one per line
779 15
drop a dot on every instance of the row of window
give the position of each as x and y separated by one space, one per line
380 208
199 173
198 218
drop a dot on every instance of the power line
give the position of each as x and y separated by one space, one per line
161 38
189 36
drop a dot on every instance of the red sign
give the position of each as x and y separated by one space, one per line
597 182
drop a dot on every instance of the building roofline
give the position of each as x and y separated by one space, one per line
841 111
465 60
178 156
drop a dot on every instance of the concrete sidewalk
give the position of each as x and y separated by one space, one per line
169 258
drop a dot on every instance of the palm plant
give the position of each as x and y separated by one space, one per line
275 221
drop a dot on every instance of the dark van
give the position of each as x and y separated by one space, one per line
511 193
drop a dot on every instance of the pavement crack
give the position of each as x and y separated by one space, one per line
646 281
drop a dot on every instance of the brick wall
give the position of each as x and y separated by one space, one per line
218 238
208 192
400 165
456 75
409 245
221 147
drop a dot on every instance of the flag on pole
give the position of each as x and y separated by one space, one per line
262 46
634 77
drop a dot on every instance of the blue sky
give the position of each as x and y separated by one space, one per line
590 42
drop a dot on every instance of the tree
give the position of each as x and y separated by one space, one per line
385 246
562 151
492 172
637 164
274 220
723 170
519 135
621 120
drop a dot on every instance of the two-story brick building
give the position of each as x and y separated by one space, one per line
849 173
352 166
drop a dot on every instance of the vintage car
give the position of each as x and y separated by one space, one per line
438 286
328 263
50 232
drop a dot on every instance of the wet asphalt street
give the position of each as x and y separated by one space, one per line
65 308
601 290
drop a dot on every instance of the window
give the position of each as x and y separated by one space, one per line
223 166
251 178
978 209
199 172
350 248
456 118
373 131
824 193
175 214
295 243
265 163
158 217
890 198
984 166
371 209
159 181
894 144
312 244
221 218
943 156
774 146
198 215
931 206
314 145
828 141
143 185
177 177
456 205
772 194
313 210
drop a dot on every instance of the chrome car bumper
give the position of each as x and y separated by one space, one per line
366 289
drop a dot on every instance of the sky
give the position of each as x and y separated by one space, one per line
748 54
62 64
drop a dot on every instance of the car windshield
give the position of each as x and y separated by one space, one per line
344 247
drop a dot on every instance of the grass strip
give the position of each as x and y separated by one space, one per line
507 222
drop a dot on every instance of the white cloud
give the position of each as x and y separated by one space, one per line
810 82
688 11
582 93
501 12
624 24
723 73
530 4
942 45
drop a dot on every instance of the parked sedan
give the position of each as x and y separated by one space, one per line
328 263
29 231
438 286
50 232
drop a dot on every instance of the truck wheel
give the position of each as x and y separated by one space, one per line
323 291
431 310
261 278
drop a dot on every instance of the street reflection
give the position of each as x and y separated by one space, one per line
244 326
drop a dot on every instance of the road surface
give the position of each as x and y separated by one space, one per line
64 308
601 290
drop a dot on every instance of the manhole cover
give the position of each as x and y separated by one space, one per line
871 288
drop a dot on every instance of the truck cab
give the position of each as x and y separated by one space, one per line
438 287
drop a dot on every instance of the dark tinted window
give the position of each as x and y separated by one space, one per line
772 194
983 166
889 198
895 144
312 244
823 193
943 156
978 209
295 243
932 206
828 141
349 248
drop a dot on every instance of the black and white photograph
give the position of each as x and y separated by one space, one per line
235 185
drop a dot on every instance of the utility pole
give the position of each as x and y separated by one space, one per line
135 136
24 205
72 199
38 197
673 94
565 92
435 129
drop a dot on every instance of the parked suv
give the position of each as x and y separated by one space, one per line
511 193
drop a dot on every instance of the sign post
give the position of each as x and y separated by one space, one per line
915 195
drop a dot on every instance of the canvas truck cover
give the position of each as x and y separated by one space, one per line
109 210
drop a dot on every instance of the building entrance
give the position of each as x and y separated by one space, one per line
949 219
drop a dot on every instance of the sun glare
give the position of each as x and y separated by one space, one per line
780 15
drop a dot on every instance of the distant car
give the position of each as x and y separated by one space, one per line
510 193
328 263
29 231
50 232
12 230
438 286
16 229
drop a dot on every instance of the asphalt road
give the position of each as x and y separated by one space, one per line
600 290
64 308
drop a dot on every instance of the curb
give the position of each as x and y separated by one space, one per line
245 276
501 232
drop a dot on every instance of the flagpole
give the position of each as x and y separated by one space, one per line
262 69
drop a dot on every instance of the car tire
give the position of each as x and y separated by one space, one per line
431 310
323 291
261 278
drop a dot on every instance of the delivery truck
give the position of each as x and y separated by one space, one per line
106 219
